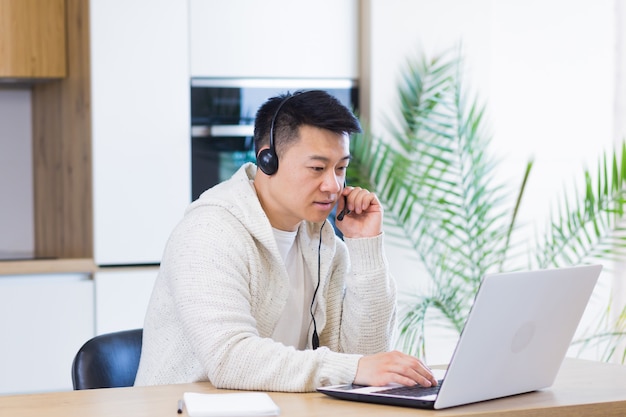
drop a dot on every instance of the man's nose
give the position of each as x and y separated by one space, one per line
332 183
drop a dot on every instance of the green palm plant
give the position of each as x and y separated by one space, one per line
439 184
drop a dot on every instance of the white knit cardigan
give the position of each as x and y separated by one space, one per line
222 286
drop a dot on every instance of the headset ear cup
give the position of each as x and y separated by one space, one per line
267 161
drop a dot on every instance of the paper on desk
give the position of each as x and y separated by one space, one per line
230 405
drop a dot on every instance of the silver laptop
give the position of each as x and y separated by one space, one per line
515 338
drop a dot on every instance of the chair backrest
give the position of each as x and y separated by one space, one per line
108 360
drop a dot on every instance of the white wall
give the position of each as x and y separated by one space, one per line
552 90
16 178
553 96
545 70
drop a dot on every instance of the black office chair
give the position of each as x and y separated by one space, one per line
108 361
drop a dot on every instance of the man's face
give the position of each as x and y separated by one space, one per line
310 177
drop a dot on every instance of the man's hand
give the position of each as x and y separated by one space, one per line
365 213
387 367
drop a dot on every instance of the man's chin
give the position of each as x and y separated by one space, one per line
318 218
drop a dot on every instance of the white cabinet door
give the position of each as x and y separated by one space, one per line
122 298
44 320
274 38
141 126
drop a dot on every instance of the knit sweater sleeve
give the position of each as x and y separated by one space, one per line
226 293
364 309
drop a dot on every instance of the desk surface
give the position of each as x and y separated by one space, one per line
583 388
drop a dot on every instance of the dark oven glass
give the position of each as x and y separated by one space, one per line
222 121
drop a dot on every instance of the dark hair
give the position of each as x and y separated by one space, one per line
311 107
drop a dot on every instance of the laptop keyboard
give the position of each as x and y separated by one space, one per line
414 391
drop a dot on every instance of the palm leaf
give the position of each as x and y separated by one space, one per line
592 226
439 185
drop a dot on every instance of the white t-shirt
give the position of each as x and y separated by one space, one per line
293 326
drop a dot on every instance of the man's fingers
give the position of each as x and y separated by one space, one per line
388 367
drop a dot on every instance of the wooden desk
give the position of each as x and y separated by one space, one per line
583 388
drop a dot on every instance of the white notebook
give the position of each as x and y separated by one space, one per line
230 405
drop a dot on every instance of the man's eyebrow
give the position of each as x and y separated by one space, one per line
325 159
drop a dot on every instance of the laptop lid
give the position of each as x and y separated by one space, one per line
514 340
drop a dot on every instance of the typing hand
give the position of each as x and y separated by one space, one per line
387 367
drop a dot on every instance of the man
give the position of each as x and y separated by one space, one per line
255 290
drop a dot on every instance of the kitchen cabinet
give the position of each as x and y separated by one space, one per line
32 39
122 296
111 142
45 319
274 38
140 126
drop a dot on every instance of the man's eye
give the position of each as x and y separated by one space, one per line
317 168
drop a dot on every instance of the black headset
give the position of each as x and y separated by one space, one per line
267 160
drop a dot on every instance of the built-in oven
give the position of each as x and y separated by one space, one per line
222 120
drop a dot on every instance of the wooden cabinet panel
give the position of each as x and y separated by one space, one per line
61 114
32 39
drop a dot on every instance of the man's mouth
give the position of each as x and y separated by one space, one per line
326 204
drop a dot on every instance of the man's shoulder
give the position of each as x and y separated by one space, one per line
234 195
